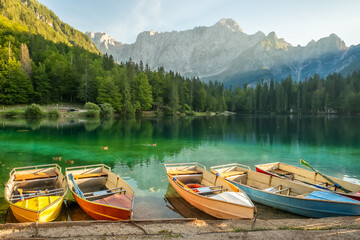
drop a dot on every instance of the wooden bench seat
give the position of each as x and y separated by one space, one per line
184 172
89 175
282 172
32 176
231 173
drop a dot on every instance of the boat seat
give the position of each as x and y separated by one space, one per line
275 190
272 189
233 197
283 172
89 175
282 190
184 172
207 190
231 173
33 176
103 193
329 196
38 192
32 195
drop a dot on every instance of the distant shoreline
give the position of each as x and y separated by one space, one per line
76 111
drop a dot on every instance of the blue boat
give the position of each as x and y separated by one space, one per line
287 195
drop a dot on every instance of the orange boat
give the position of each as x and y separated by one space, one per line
101 193
209 193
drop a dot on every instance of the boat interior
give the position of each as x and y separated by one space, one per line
98 184
204 183
305 175
26 183
198 180
241 175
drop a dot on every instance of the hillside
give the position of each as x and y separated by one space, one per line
38 19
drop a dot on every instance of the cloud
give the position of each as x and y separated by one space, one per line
137 17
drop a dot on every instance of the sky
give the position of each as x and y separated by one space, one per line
297 21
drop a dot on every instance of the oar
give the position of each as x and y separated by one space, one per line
77 189
324 176
42 191
181 184
233 187
298 180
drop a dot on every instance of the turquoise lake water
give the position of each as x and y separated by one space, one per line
138 148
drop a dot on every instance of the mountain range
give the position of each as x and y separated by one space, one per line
223 52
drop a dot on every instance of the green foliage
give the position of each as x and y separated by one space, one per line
91 106
15 85
109 93
106 110
92 114
33 17
54 113
93 110
314 95
143 92
34 110
11 113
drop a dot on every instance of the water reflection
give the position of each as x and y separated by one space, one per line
177 204
33 123
91 125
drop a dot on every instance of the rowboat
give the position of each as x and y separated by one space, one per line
101 193
178 204
287 195
209 193
312 178
36 193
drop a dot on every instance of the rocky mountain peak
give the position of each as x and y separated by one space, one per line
100 38
271 41
327 44
230 24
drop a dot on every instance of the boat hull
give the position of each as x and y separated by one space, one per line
100 193
213 207
49 214
301 206
101 211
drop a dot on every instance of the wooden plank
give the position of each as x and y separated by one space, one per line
184 172
31 176
231 173
89 175
282 172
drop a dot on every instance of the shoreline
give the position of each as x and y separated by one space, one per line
323 228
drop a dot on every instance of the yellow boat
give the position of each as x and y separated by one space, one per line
36 193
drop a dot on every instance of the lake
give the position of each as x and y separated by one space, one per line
138 148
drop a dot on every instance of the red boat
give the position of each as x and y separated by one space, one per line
101 193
